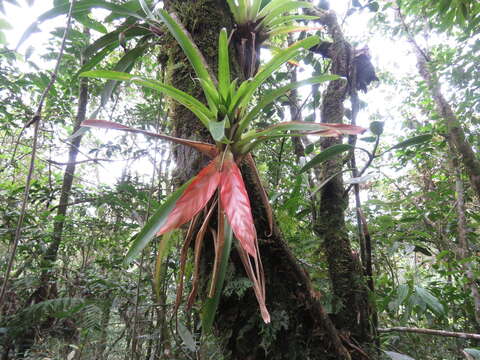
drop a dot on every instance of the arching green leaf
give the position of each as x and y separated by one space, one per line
200 110
156 221
325 155
412 141
273 95
81 8
211 304
223 64
189 48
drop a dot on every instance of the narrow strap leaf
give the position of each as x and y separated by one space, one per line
284 9
211 304
271 96
223 64
325 155
277 61
195 106
306 128
207 149
187 44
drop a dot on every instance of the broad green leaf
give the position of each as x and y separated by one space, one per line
430 300
223 64
163 250
238 96
132 5
254 9
287 29
189 48
154 224
376 127
401 296
307 128
200 110
213 98
112 39
97 59
243 11
273 95
211 304
123 65
397 356
93 24
82 7
234 9
217 130
325 155
146 9
369 139
412 141
187 337
474 353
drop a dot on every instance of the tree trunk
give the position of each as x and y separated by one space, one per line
46 289
454 128
300 327
463 250
346 276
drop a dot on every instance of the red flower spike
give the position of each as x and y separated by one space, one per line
235 203
194 198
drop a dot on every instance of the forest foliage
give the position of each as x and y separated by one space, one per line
94 260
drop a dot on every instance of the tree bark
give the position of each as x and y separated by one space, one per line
454 128
346 276
463 250
46 289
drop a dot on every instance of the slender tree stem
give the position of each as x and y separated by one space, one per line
36 121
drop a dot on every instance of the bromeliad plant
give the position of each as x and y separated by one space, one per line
258 20
219 187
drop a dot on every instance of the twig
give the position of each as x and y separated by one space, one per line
77 162
430 332
36 119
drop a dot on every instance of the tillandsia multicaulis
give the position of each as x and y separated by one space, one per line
219 187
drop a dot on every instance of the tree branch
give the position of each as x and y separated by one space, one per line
430 332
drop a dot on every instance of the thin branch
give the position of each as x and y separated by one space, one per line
430 332
77 162
36 121
372 157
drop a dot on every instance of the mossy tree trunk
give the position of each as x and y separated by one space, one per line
300 327
348 283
